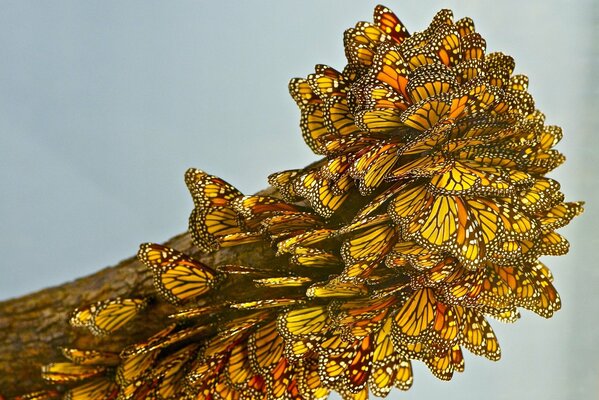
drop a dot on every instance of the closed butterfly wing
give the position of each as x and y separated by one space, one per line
107 316
177 276
212 216
388 22
65 372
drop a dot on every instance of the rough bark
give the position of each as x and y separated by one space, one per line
35 326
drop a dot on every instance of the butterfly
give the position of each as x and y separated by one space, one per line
478 337
303 321
265 348
91 357
389 367
167 376
311 106
177 277
106 316
388 22
363 250
212 216
65 372
417 313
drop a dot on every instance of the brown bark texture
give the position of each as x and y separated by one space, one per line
34 327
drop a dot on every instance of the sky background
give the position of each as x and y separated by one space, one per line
105 104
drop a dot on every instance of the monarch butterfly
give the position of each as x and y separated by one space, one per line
550 137
283 226
280 378
388 22
203 374
308 380
338 118
283 182
392 71
389 367
373 242
381 109
240 238
465 26
337 288
301 347
542 162
373 167
305 239
430 111
131 371
212 216
169 373
107 316
312 115
377 202
542 194
177 276
320 193
361 224
365 250
473 48
265 348
560 215
447 45
417 313
522 288
430 81
496 297
348 144
444 365
442 17
260 207
547 300
471 69
478 337
361 43
327 82
64 372
90 357
207 225
445 330
419 56
348 368
465 228
238 370
303 321
314 258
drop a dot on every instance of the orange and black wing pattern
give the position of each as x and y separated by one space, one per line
177 277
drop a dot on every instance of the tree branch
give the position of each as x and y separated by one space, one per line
35 326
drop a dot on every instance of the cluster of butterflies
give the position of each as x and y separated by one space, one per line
427 214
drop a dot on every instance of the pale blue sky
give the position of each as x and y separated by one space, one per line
104 104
